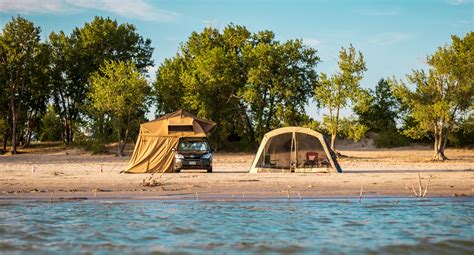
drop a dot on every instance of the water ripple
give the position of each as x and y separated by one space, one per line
236 227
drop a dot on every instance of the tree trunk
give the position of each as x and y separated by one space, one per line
334 134
29 131
443 145
119 147
66 131
248 124
71 131
436 137
439 144
14 119
439 156
124 143
28 138
126 135
5 139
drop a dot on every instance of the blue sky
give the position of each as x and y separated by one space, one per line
394 36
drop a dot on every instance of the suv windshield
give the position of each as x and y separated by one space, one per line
193 146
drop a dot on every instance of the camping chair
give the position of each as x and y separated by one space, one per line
269 162
311 159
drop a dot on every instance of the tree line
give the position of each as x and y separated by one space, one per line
90 87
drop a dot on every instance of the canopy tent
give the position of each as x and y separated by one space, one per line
294 149
154 148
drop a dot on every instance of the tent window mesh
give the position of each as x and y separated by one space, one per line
277 152
310 151
172 129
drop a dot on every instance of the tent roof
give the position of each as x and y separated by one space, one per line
181 113
284 130
160 126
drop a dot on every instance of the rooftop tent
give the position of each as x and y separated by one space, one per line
294 149
154 148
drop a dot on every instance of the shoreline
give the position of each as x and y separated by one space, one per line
380 173
212 198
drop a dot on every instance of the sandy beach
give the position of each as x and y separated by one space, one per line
66 174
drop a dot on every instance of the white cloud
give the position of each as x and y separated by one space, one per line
459 2
138 9
34 6
312 42
389 38
130 9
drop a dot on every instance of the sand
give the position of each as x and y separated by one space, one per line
71 173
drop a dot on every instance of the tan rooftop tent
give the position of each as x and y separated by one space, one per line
154 148
294 149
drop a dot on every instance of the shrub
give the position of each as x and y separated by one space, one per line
463 136
390 139
51 125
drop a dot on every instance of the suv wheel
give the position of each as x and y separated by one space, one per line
209 170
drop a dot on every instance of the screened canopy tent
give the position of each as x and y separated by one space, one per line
294 149
153 151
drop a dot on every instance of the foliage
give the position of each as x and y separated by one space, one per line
383 109
118 91
74 58
24 68
342 88
314 125
4 103
248 83
3 128
463 134
442 94
51 125
390 138
281 79
352 129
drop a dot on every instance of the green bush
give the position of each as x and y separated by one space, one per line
51 125
463 136
92 145
390 139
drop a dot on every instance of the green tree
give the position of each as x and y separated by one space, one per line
281 79
75 57
119 90
4 109
248 83
21 60
204 78
383 109
337 91
463 133
36 95
443 94
51 125
169 90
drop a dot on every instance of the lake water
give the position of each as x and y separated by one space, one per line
389 225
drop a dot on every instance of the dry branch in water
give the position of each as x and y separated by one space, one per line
420 192
301 198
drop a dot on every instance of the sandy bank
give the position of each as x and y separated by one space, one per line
72 173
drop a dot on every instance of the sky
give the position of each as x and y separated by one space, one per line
394 36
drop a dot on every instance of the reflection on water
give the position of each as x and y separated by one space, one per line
439 225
